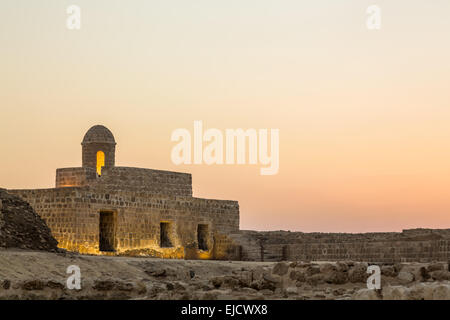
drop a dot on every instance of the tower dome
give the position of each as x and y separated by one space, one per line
98 148
98 134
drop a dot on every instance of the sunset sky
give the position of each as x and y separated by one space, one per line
364 116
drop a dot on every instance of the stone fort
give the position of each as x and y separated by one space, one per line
100 208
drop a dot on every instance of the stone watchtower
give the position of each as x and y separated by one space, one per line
98 149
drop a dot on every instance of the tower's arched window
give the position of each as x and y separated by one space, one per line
100 162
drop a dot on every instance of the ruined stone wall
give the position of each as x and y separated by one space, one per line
73 216
416 245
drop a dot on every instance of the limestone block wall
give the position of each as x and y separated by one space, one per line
153 181
416 245
73 215
56 207
74 177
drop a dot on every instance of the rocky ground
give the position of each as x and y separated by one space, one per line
42 275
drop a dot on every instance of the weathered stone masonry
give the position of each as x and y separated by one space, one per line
414 245
124 210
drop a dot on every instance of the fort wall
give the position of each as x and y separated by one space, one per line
73 215
74 177
153 181
415 245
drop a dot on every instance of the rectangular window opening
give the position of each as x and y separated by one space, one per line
107 230
202 236
165 230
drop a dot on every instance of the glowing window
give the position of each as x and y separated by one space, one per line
100 162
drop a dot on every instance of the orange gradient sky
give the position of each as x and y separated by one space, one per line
364 116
